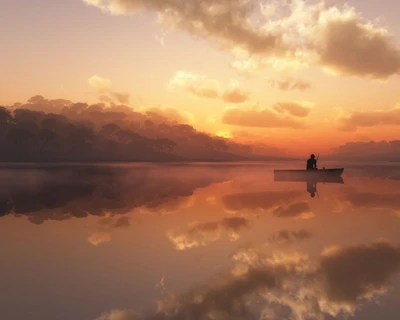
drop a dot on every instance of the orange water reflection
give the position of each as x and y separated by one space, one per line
220 241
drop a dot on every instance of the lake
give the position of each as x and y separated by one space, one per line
197 241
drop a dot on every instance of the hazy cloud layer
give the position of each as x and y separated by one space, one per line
332 36
374 201
286 284
365 119
368 151
259 117
203 87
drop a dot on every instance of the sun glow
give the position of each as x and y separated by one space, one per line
224 134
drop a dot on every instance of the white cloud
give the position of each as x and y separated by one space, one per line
287 34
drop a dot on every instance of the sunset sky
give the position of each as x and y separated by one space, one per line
306 75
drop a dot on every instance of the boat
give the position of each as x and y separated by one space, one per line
318 175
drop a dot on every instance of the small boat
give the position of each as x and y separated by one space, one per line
319 175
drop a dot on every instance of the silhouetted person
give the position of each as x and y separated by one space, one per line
311 188
312 163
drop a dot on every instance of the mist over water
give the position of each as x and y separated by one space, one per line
197 241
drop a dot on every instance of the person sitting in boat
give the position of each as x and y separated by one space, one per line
312 163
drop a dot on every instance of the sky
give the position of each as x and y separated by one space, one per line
302 75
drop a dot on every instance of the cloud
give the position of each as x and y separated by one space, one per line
234 95
290 32
259 117
300 210
249 65
344 38
103 88
368 151
99 83
66 192
287 236
200 233
99 237
120 315
107 226
170 206
293 108
291 84
367 119
203 87
226 21
370 200
347 282
288 284
163 113
263 201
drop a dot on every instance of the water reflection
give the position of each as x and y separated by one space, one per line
197 242
63 192
311 182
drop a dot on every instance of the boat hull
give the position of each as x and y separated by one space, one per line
320 175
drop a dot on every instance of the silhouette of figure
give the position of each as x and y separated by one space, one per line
311 188
312 163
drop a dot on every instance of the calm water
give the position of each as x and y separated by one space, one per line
197 242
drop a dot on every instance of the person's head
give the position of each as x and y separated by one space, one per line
312 195
312 156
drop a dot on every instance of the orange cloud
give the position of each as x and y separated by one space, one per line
234 95
103 88
370 119
200 233
372 200
291 84
286 236
99 237
259 117
368 151
203 87
294 109
263 201
107 226
297 210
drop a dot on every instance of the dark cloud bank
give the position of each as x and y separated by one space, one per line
59 130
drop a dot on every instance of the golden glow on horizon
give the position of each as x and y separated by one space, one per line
331 81
224 134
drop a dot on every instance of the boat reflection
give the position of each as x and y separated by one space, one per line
311 181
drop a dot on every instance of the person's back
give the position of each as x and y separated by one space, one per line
311 163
